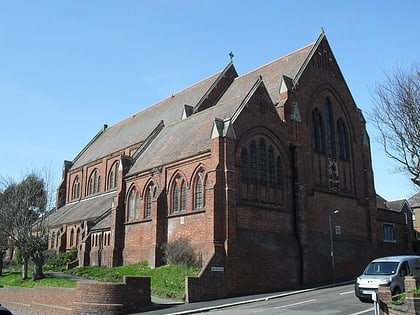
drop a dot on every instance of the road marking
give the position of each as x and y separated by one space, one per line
348 292
363 312
294 304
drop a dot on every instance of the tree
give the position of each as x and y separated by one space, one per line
23 215
4 242
396 115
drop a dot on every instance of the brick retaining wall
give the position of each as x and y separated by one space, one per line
89 297
411 304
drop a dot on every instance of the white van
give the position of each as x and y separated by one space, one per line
386 271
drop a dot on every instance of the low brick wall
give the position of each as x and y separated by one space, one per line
39 300
411 305
89 297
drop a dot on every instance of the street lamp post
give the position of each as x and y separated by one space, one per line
332 245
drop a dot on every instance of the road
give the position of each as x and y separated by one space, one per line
326 301
336 300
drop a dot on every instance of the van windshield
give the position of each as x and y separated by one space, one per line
381 268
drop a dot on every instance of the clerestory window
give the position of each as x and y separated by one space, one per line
76 189
113 176
94 183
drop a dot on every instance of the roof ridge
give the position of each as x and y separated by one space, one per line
277 59
98 134
149 107
309 57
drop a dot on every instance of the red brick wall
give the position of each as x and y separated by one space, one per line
89 297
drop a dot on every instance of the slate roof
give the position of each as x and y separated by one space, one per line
396 205
85 209
414 201
273 72
136 128
189 136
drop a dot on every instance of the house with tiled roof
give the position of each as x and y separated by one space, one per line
395 225
414 202
254 170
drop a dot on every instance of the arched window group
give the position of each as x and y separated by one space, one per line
262 165
94 183
179 193
331 167
135 203
336 136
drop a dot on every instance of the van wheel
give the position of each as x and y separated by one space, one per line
396 291
365 300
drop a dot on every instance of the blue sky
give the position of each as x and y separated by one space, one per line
67 67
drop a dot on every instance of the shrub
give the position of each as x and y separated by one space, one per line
59 263
180 252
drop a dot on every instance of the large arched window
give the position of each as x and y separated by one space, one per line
253 164
342 140
330 129
94 182
244 164
133 205
262 163
280 173
76 189
113 176
271 166
317 131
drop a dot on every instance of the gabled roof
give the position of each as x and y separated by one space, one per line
273 72
414 201
85 209
189 136
394 205
137 127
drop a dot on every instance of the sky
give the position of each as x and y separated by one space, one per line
67 67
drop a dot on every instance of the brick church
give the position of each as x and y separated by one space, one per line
250 168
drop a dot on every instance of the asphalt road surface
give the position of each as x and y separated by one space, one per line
336 300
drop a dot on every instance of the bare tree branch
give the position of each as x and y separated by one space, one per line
396 114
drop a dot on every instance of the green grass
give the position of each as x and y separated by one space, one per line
166 281
14 278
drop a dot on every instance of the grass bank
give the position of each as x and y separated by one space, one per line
166 281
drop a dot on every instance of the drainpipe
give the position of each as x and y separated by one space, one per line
295 207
